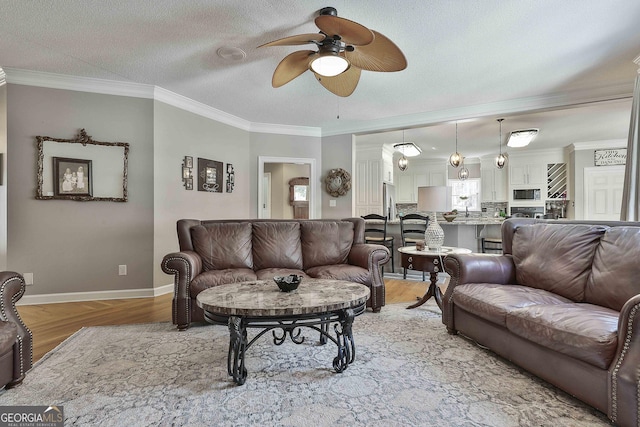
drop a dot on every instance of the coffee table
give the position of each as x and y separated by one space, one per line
260 304
428 261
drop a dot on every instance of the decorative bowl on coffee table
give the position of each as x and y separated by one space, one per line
288 283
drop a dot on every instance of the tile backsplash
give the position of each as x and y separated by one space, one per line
488 209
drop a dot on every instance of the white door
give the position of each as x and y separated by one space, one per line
603 192
266 195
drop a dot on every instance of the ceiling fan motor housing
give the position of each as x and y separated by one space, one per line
329 11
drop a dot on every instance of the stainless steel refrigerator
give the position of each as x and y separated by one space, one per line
389 200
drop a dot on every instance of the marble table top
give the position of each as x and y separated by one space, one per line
264 298
444 251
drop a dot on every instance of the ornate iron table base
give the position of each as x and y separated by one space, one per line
288 326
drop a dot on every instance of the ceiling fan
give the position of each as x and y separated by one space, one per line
344 49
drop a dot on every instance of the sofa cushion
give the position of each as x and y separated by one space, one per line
583 331
493 302
348 272
616 268
223 245
270 273
556 257
213 278
277 245
326 242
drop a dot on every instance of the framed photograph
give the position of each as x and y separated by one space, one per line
210 176
72 177
188 161
188 184
186 172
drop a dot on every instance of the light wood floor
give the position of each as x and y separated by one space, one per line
53 323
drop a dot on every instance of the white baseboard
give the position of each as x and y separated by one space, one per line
94 295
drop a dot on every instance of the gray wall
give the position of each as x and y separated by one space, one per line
77 246
337 152
179 133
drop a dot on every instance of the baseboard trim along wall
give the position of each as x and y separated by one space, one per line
95 295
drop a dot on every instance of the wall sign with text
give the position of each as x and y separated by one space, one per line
616 156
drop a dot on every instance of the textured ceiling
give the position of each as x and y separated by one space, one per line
466 58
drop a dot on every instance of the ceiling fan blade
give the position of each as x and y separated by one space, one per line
350 32
296 40
291 67
343 84
381 55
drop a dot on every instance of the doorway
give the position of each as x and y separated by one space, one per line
282 170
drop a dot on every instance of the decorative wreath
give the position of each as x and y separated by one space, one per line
338 182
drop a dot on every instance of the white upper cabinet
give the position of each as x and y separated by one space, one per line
493 182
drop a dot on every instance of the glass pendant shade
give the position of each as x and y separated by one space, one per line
501 161
403 163
455 159
463 173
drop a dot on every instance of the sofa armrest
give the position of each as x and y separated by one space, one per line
184 266
371 257
624 408
12 288
474 268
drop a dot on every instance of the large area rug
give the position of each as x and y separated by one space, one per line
408 372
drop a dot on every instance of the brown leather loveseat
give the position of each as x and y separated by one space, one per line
563 302
15 338
218 252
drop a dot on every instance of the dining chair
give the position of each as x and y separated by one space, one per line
375 231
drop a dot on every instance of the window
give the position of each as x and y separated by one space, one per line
465 194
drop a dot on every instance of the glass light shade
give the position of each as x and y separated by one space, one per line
455 159
403 163
329 65
463 173
501 161
521 138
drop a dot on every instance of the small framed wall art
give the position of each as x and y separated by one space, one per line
187 172
210 176
72 177
230 178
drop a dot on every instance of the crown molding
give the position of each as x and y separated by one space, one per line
138 90
597 145
3 77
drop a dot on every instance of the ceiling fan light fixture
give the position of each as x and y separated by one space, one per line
329 64
521 138
408 149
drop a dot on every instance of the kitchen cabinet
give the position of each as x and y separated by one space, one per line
532 174
368 187
407 182
493 182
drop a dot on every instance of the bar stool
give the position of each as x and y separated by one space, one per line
377 234
412 232
491 244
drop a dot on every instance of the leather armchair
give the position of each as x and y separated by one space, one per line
16 351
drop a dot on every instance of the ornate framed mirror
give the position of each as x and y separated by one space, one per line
81 169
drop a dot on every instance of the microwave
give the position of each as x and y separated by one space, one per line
527 194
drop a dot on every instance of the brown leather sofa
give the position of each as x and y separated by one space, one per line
563 302
15 338
218 252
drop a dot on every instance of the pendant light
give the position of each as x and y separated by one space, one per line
463 173
403 163
455 159
501 159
